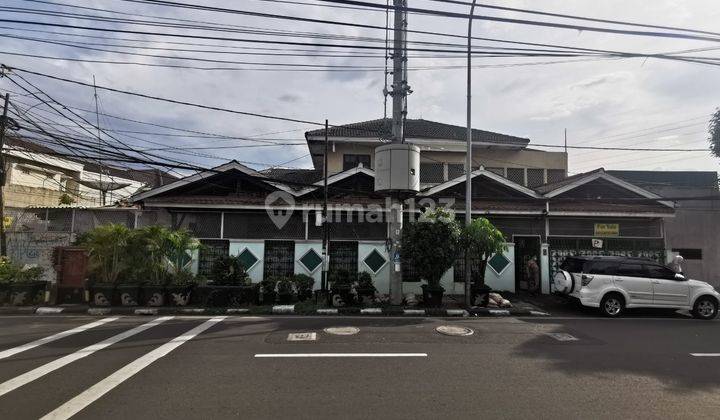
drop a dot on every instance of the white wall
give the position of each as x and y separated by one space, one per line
301 247
381 279
257 248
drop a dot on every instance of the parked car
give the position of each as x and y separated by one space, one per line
614 284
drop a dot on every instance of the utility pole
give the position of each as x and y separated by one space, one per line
399 94
566 140
3 125
468 157
97 125
323 278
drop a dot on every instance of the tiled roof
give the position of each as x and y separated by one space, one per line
696 179
418 129
295 176
606 206
555 185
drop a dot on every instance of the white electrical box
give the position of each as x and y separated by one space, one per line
397 168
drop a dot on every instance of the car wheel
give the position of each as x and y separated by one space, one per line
612 305
705 308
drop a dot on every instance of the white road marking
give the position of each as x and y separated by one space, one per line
293 355
54 337
705 354
563 336
43 370
101 388
308 336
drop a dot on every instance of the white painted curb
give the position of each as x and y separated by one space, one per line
146 311
283 309
538 313
327 311
371 311
46 311
237 311
414 312
457 312
99 311
499 312
193 311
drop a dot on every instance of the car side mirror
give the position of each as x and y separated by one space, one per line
680 277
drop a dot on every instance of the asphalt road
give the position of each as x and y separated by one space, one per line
238 367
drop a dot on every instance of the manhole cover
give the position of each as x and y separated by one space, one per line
450 330
342 330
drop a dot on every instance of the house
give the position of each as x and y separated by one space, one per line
694 232
270 218
37 176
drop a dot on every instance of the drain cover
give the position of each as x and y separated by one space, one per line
457 331
342 330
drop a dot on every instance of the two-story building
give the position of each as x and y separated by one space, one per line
270 218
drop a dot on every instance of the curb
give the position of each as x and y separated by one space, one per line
275 310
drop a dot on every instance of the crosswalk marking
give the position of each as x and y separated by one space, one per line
54 337
101 388
286 355
705 354
43 370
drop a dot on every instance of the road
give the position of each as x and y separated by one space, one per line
238 367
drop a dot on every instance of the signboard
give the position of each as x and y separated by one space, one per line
607 229
597 243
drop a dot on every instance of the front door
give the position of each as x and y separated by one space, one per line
632 278
527 264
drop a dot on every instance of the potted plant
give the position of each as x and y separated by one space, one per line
304 286
27 287
285 291
365 288
230 284
107 247
128 292
148 249
480 240
266 292
341 285
180 287
431 243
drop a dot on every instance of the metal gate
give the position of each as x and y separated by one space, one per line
344 256
210 251
560 248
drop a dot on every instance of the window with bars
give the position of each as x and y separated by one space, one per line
555 175
210 251
432 172
351 161
455 170
498 171
344 256
279 260
258 225
200 224
516 175
535 177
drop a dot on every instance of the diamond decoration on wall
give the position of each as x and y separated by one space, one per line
311 260
375 261
248 259
498 263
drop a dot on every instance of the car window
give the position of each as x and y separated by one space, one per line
660 272
572 265
602 267
631 270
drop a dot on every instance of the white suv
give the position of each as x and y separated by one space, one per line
615 283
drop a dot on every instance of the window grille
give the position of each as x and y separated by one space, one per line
356 229
200 224
279 259
210 251
433 172
259 225
455 170
535 177
498 171
555 175
516 175
344 256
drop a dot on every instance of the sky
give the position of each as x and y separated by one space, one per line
607 102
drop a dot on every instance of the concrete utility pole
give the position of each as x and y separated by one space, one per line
468 155
399 94
3 125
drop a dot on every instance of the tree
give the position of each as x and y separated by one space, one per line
715 133
431 244
107 245
481 239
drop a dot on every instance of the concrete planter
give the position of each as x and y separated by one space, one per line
179 295
128 294
152 295
28 293
102 294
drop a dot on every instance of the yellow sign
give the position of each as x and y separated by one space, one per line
7 222
607 229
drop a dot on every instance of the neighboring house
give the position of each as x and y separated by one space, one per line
270 218
694 232
36 176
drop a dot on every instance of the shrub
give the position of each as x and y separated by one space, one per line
269 284
340 277
8 270
183 278
229 271
29 275
107 246
365 280
303 282
285 286
481 239
431 244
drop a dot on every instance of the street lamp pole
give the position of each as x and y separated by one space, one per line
468 155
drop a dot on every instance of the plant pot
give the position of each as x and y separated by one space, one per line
102 294
27 293
341 295
365 294
480 295
4 293
152 295
432 295
128 294
179 295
